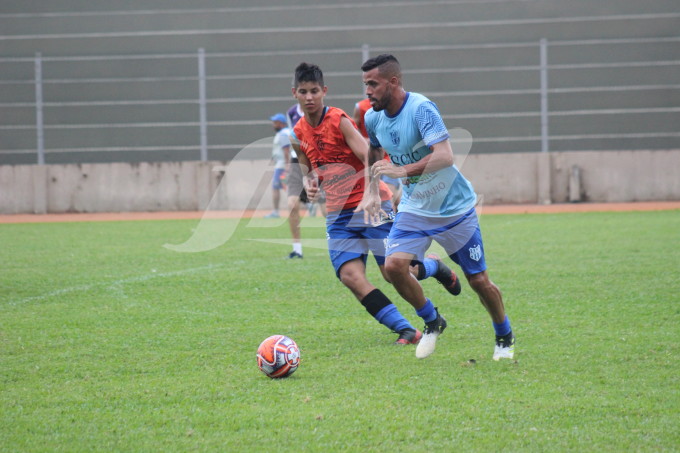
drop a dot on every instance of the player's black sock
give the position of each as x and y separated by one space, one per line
375 301
430 268
422 273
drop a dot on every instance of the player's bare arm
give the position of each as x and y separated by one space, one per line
309 179
370 203
286 156
441 157
353 138
375 154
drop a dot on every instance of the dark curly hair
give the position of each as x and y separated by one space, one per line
306 72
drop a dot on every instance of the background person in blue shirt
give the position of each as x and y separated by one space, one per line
437 201
280 158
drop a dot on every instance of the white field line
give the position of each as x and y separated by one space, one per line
114 285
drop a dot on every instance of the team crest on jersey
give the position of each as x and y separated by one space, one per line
476 252
394 135
320 144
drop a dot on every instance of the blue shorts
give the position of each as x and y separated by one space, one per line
460 236
277 179
350 238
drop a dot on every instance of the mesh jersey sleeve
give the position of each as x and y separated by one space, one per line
431 124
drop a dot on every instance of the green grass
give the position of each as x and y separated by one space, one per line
108 341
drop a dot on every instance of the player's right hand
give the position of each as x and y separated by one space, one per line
311 185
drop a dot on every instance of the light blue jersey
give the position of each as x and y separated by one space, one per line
407 138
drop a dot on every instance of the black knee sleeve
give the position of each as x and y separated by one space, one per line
375 301
421 270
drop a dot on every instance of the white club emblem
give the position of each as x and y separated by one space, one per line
476 252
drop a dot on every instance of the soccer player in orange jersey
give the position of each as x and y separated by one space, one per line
328 143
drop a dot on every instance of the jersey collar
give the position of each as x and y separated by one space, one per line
401 108
323 115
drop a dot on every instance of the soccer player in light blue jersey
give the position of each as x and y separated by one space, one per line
327 142
437 201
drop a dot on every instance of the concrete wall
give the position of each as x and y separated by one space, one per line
245 184
619 176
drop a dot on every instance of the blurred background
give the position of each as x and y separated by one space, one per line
173 81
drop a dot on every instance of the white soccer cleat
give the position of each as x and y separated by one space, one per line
505 347
429 340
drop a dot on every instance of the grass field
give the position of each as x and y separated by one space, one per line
111 342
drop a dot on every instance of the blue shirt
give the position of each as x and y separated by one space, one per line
407 137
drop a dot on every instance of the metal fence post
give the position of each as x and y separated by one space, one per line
544 96
544 173
39 129
365 55
202 105
365 52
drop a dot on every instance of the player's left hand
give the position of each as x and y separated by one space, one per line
382 167
371 206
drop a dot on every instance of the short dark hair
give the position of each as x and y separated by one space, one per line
386 63
306 72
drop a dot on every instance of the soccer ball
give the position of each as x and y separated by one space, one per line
278 356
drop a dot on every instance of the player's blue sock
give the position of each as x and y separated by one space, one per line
503 328
390 317
430 267
384 311
428 312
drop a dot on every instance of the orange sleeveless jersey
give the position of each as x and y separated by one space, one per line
362 107
340 171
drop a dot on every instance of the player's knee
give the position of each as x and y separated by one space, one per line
351 277
395 269
385 275
479 282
